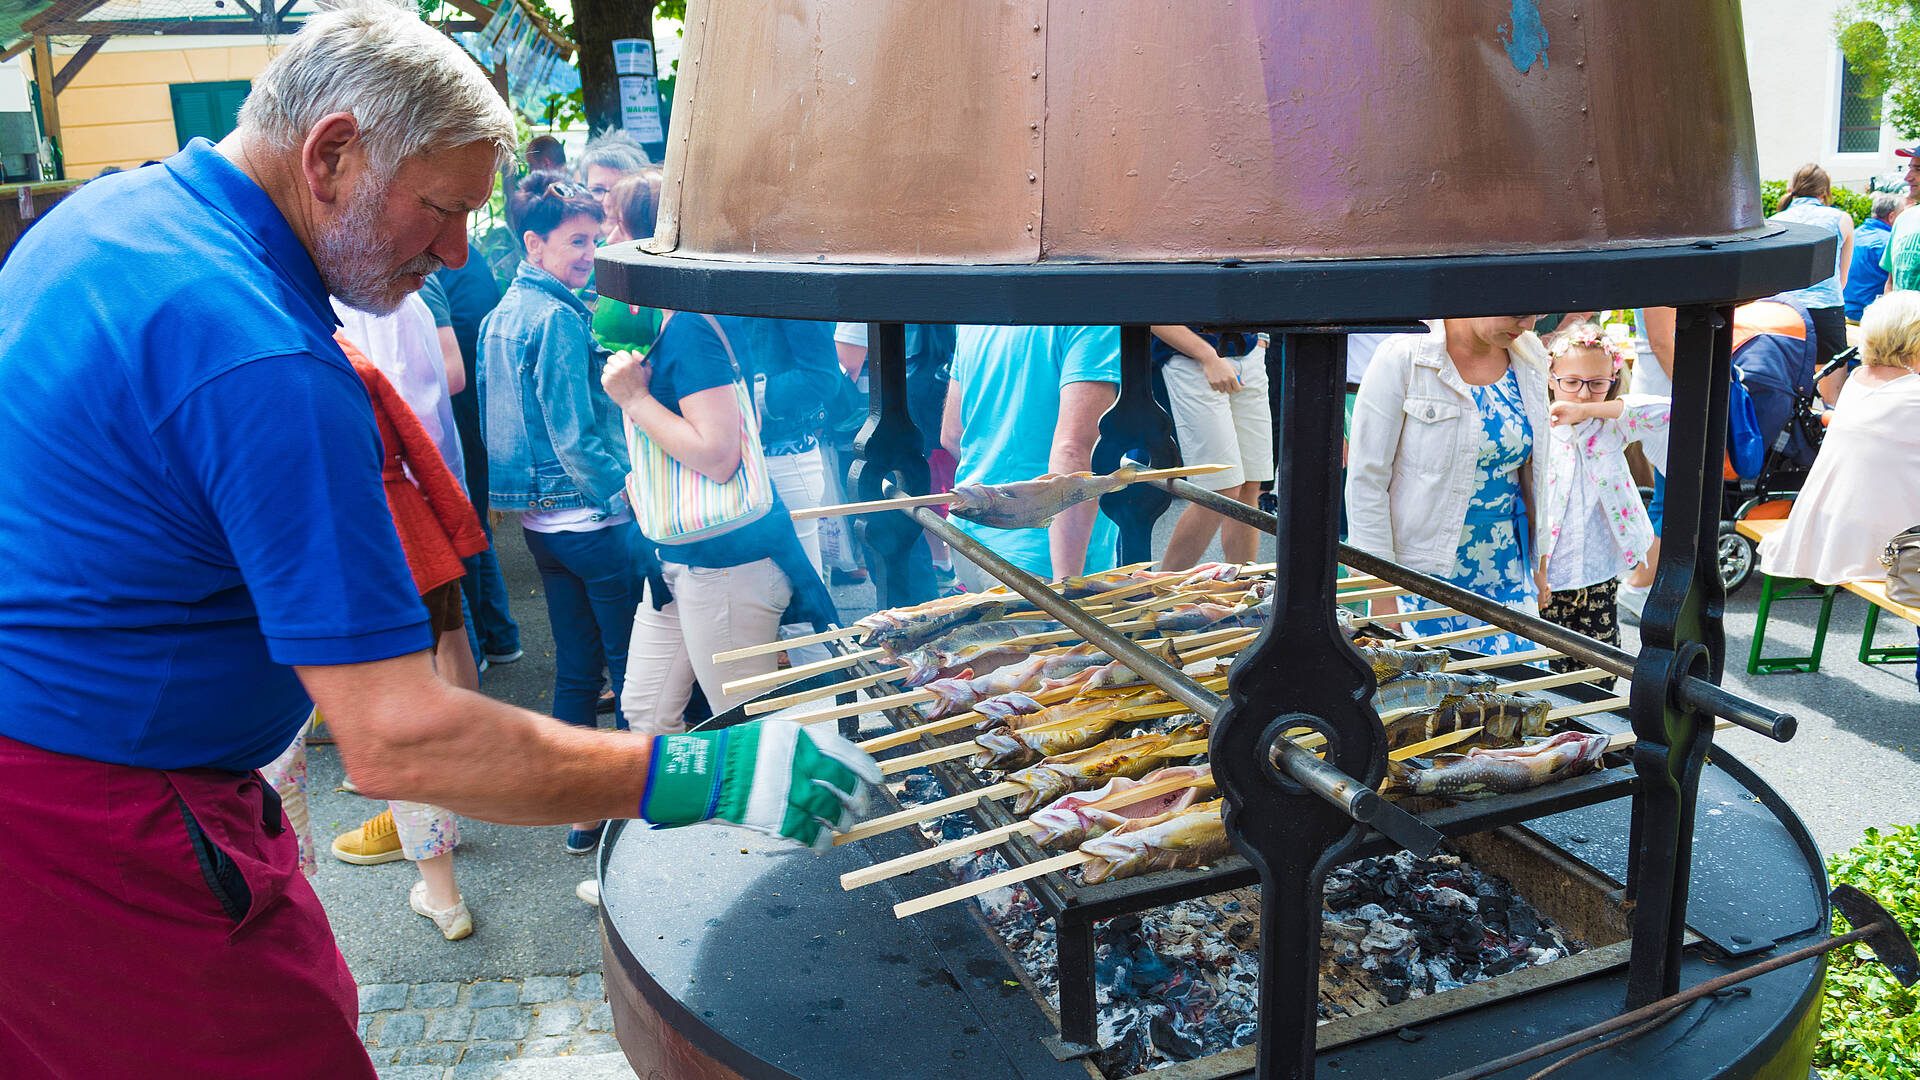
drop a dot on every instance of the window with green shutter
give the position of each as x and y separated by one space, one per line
209 109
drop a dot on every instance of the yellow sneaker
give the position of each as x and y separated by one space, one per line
371 844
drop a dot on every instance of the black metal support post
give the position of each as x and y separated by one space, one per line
889 445
1079 1004
1681 639
1135 427
1299 673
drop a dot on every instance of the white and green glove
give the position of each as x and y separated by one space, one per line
778 777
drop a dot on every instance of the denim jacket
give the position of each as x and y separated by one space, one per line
554 437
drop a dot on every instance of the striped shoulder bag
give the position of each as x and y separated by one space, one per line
677 504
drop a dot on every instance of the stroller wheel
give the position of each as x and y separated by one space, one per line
1736 558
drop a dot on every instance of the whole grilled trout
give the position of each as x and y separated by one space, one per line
1429 690
981 646
1117 674
952 696
1503 718
1176 840
1009 710
1206 616
1481 771
1095 765
900 629
1390 663
1027 504
1076 816
1010 748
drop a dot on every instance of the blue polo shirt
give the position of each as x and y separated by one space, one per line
191 497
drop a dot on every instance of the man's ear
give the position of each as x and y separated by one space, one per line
331 155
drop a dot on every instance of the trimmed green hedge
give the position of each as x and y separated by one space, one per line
1870 1027
1857 203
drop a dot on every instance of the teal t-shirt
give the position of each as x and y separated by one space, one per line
1009 380
1902 258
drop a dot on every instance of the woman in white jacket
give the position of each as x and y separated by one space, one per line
1441 475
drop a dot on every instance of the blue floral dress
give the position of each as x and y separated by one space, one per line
1495 544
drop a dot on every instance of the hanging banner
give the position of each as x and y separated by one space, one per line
633 56
640 108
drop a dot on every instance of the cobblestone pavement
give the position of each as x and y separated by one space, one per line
515 1029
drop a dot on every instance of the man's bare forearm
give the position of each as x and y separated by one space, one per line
405 734
1068 536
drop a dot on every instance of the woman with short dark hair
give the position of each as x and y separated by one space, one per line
556 454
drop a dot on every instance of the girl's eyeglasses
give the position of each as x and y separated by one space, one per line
1572 385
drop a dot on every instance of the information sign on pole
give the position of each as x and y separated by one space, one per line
640 108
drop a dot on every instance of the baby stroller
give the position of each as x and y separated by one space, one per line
1775 423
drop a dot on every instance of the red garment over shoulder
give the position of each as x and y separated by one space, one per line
436 523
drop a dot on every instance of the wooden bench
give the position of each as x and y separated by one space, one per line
1772 589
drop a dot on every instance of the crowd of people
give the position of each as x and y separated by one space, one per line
282 513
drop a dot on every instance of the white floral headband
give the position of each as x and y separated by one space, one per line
1588 336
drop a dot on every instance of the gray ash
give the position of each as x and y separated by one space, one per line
1182 981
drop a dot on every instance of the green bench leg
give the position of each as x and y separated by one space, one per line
1882 654
1772 589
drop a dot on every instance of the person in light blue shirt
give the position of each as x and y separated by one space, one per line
1866 279
1805 202
1026 401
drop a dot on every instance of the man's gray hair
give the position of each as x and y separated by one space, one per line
1884 204
410 88
615 150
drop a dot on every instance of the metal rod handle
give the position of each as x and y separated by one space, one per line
1694 692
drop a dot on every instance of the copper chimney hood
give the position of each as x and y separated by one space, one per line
1028 131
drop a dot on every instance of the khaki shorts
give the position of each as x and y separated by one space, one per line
1235 430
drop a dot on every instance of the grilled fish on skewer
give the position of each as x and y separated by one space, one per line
1505 718
1096 765
1204 616
1430 690
901 629
958 695
1028 504
1041 715
1390 663
981 646
1178 840
1074 817
1483 771
1117 674
999 710
1008 748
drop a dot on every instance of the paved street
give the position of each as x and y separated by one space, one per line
523 991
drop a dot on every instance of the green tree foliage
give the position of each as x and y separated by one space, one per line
1857 203
1870 1024
1881 39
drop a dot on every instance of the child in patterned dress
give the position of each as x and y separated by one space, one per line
1597 528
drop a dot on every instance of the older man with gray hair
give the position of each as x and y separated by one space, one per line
1866 280
199 552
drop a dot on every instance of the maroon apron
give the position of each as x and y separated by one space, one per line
156 923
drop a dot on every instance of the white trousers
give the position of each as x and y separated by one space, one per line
724 609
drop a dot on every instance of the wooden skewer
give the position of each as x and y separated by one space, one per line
1416 616
1378 593
1448 637
1126 620
981 841
913 815
1478 662
1584 708
1062 861
1133 476
1438 742
1228 641
1566 678
959 750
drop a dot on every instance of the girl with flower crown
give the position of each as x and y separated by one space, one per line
1596 527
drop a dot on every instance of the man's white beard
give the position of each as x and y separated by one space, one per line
355 261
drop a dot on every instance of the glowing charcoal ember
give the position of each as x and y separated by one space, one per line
1502 718
1482 771
1429 690
1176 840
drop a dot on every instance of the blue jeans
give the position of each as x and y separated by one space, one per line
591 593
486 593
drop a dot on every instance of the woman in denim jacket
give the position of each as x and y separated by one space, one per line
556 453
1441 474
